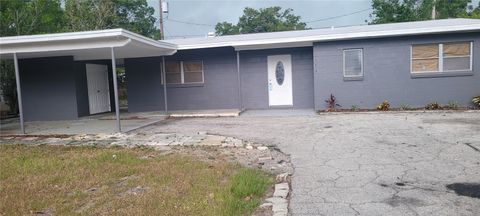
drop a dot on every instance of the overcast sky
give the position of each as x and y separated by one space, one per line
210 12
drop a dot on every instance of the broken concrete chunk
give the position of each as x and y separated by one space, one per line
262 148
264 158
282 177
266 205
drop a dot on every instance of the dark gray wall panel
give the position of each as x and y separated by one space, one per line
387 74
48 88
253 67
81 89
144 89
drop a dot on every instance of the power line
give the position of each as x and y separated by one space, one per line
190 23
317 20
343 15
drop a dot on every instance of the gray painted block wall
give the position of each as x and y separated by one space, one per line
387 74
48 88
144 89
254 76
220 88
219 91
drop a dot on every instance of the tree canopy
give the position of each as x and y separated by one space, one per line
387 11
269 19
50 16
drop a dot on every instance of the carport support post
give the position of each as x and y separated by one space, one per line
19 93
239 83
164 76
115 90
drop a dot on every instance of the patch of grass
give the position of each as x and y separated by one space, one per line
99 181
244 191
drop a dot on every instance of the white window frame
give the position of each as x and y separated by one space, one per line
441 58
182 74
361 63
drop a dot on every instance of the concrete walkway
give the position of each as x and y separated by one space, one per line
365 164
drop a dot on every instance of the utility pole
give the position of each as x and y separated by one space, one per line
434 10
160 3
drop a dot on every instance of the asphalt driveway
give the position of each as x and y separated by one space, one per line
366 163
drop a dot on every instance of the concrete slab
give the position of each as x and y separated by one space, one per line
204 113
95 124
279 113
365 163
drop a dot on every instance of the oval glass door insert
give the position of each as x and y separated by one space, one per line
280 73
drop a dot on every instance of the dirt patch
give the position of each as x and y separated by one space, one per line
466 189
397 201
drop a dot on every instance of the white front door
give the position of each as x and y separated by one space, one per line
98 88
280 80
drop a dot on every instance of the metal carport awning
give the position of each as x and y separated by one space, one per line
89 45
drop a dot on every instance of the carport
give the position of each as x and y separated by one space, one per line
71 49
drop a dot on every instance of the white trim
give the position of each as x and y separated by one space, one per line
85 35
182 73
440 57
361 63
273 46
471 55
250 40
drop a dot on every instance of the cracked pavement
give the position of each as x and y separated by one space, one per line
365 163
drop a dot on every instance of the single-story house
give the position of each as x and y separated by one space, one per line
69 75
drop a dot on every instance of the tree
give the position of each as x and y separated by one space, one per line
84 15
30 17
133 15
387 11
472 13
136 16
270 19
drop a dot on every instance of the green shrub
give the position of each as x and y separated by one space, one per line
384 106
476 101
453 105
355 108
433 106
405 107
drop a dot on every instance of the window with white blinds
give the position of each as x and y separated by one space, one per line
353 63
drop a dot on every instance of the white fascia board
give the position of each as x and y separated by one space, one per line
273 46
149 41
64 45
110 34
340 36
60 36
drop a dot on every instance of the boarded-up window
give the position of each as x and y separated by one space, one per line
456 56
353 63
443 57
425 58
193 71
173 72
182 72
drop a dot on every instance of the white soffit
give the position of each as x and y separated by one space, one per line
272 39
85 45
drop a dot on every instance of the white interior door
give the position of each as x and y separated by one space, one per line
98 88
280 80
